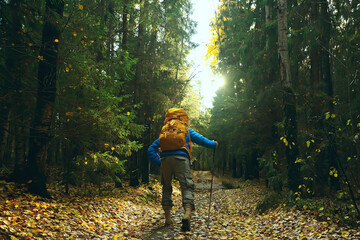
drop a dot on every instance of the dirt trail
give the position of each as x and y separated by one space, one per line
203 225
233 216
135 213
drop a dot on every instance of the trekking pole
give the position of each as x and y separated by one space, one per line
211 186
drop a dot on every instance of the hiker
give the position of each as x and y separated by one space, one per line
172 151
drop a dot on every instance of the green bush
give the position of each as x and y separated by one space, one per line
339 212
271 199
273 177
229 185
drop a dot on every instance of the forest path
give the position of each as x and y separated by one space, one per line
135 213
233 216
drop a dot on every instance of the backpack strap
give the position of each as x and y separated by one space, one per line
189 143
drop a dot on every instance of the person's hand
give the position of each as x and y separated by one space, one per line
217 144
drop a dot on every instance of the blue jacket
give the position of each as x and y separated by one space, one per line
153 150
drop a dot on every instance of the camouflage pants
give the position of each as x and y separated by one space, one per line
176 166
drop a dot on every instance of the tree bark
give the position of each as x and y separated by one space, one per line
267 22
3 146
17 100
125 25
289 100
140 55
10 85
331 150
13 100
40 134
321 168
138 88
147 140
315 49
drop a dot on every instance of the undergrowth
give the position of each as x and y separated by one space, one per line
229 185
271 200
336 211
340 212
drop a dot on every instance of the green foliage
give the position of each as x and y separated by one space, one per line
149 196
229 185
99 167
271 200
248 118
4 171
248 112
102 107
274 179
334 210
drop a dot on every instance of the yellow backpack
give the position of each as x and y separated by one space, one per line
173 133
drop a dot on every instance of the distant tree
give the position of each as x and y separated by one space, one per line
41 132
319 82
12 89
289 99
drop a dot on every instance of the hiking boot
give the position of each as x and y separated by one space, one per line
186 218
168 219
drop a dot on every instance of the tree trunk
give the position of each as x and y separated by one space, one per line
331 150
3 145
234 167
150 76
315 49
9 145
140 55
267 22
138 87
4 124
289 100
19 156
180 60
125 25
148 86
11 86
321 168
15 64
40 134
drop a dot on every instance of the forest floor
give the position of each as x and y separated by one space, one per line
135 213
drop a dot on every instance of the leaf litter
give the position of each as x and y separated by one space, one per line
136 213
126 216
233 215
